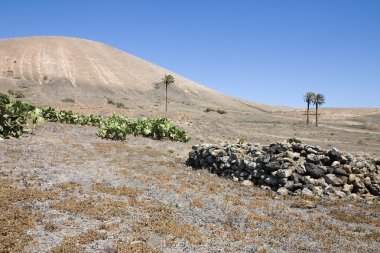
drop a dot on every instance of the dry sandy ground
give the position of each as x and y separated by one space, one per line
62 189
65 190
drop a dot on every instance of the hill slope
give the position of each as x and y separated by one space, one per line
59 67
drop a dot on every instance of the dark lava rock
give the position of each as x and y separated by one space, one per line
274 165
340 172
334 155
314 170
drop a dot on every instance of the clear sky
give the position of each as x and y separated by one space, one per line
268 51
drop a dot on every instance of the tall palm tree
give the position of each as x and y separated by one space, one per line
319 100
167 80
308 98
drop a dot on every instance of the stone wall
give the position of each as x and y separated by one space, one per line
291 168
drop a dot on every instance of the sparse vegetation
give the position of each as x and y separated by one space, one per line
68 100
117 104
19 94
167 80
293 140
77 243
120 105
220 111
110 101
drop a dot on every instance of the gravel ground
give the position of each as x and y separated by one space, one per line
63 189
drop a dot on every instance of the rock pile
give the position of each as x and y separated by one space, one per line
291 168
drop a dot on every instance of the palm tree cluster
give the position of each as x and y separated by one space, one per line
316 99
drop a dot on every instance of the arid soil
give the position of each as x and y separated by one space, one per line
63 189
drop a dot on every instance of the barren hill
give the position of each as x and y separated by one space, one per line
52 68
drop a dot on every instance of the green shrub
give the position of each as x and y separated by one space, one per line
220 111
19 94
120 105
240 141
110 101
17 117
118 127
293 140
11 92
68 100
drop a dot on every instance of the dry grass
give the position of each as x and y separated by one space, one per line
69 186
51 227
197 202
99 209
161 221
358 217
74 244
109 226
122 147
118 190
14 221
234 199
136 247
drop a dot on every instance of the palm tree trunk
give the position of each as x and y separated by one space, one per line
166 105
307 113
316 114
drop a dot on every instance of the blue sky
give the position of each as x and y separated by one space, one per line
269 51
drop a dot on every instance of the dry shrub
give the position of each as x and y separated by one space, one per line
161 221
234 199
138 247
51 227
197 202
74 244
99 209
359 217
69 186
14 221
118 190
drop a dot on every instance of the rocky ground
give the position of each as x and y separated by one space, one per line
63 189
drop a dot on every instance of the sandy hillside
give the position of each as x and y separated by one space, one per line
63 189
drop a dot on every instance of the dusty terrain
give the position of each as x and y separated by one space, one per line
63 189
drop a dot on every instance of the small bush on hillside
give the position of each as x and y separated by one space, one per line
68 100
293 140
220 111
19 94
110 101
120 105
117 104
11 92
